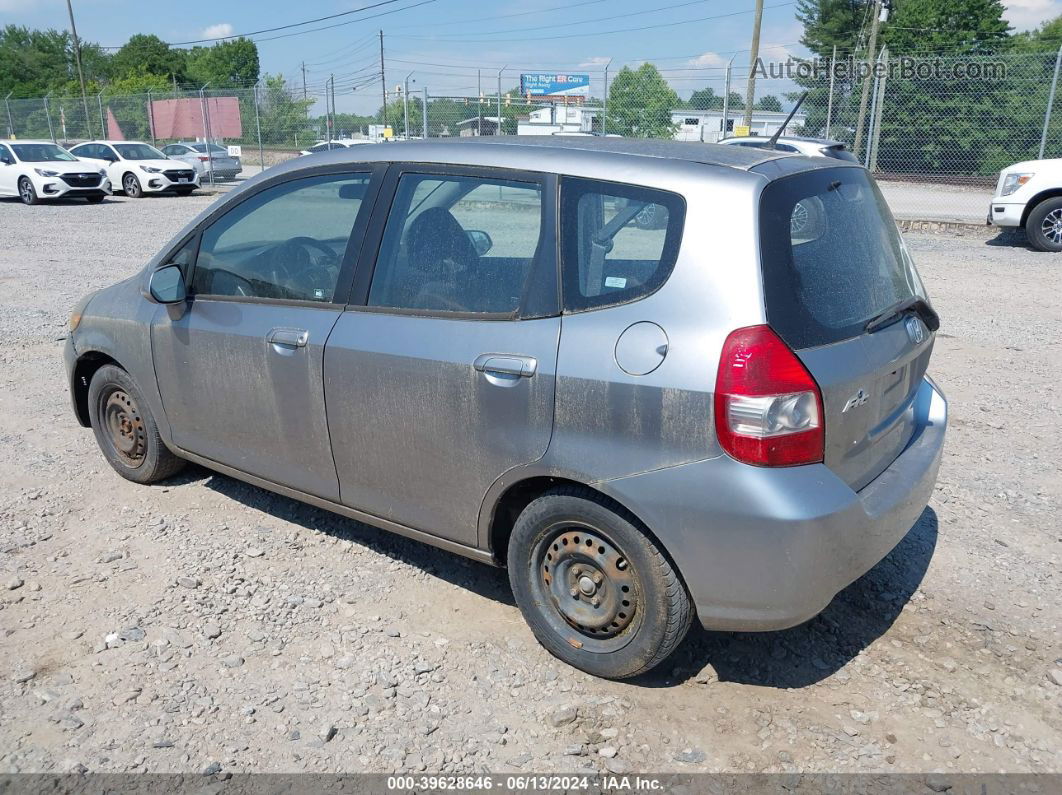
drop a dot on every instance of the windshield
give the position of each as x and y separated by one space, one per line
41 153
139 152
832 258
213 148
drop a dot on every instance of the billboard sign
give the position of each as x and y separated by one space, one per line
552 84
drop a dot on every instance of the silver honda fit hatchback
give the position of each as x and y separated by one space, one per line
724 414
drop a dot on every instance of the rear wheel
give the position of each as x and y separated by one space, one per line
27 192
125 430
595 590
1043 227
131 186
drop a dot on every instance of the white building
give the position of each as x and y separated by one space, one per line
559 119
707 125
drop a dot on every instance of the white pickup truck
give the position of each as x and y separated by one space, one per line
1029 195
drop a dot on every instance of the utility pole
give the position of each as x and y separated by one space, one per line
304 79
498 130
871 47
754 55
829 101
604 112
80 74
334 111
383 81
330 91
424 114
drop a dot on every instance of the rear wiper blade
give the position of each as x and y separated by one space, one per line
915 304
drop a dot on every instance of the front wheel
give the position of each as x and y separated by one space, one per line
596 591
1043 227
27 192
131 186
125 430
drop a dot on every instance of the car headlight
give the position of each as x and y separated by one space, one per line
45 172
151 169
1012 182
102 173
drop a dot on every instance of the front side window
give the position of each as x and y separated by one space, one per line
285 243
458 244
618 242
41 153
5 155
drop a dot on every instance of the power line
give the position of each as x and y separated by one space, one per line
591 35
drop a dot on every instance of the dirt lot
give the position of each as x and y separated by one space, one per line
204 624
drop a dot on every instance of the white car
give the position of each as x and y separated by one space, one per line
797 144
339 143
1029 195
36 170
138 168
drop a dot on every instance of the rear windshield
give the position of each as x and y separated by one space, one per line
832 258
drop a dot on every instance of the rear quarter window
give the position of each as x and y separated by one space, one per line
619 242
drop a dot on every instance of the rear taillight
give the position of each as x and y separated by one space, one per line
768 408
203 158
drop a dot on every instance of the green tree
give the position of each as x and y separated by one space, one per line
146 54
705 99
33 62
768 102
283 117
227 64
640 102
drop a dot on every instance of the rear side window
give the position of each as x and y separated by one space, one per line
619 242
831 256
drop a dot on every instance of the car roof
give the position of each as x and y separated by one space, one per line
110 143
526 152
31 141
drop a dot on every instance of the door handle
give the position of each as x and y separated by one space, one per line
506 364
289 337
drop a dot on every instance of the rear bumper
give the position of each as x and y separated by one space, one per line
1004 214
762 548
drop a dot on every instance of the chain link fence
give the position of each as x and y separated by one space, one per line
935 131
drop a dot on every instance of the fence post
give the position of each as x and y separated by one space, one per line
879 105
103 121
873 111
424 113
604 110
1050 103
258 128
829 101
151 118
726 101
10 121
498 130
48 113
206 133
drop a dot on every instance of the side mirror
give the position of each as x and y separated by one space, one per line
481 241
167 286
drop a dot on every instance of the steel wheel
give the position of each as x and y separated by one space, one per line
124 426
589 584
1051 226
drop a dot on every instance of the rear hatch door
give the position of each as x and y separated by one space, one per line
841 290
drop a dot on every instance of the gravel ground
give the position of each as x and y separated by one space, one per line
206 625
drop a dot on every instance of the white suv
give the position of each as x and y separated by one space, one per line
1029 195
38 170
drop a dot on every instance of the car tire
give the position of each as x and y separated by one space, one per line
94 199
1043 227
125 429
27 192
596 590
131 186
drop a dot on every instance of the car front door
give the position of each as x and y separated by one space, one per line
440 375
8 172
240 371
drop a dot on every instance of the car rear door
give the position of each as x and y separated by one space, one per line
241 370
440 375
833 265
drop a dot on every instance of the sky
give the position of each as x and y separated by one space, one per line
443 42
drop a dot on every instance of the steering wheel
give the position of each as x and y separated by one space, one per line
304 260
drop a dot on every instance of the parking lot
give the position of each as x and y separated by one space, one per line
205 625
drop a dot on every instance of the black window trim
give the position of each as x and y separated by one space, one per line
549 247
350 254
668 257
